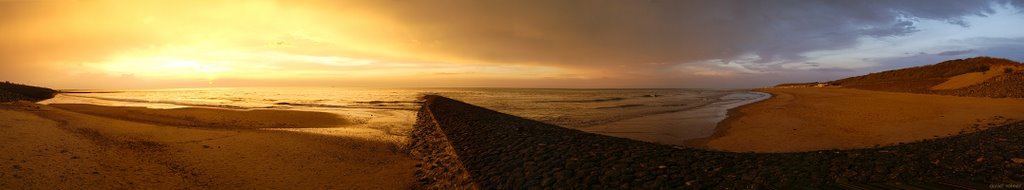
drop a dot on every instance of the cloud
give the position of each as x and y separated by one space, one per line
639 42
833 70
451 73
955 52
1009 48
609 33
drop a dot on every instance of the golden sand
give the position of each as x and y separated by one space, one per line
45 147
805 119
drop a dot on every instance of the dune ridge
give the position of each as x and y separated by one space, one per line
972 77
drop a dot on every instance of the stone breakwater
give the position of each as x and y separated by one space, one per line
463 146
440 167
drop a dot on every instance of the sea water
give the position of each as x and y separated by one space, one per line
657 115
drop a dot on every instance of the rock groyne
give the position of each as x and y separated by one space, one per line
440 167
462 146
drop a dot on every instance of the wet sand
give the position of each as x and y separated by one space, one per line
805 119
676 128
56 147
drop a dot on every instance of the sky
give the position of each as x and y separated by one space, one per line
90 44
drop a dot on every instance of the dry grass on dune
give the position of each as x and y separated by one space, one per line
973 77
968 79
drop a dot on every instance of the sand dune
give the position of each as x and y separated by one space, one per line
51 148
969 79
803 119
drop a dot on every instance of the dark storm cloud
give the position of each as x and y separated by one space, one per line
615 33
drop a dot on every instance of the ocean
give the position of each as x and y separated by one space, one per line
668 116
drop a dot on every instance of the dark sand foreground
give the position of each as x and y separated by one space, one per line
805 119
56 147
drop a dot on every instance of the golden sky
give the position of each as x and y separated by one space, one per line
111 44
443 43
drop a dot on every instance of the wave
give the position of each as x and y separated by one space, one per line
674 105
584 101
388 102
621 106
88 92
276 105
346 106
169 102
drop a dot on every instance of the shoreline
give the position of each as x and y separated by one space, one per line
677 128
732 114
207 117
109 148
368 123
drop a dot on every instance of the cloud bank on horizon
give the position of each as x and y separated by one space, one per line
656 43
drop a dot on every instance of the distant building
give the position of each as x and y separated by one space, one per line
804 85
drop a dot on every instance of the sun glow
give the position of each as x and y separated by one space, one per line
166 67
146 43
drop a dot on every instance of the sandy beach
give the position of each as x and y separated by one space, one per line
805 119
97 147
